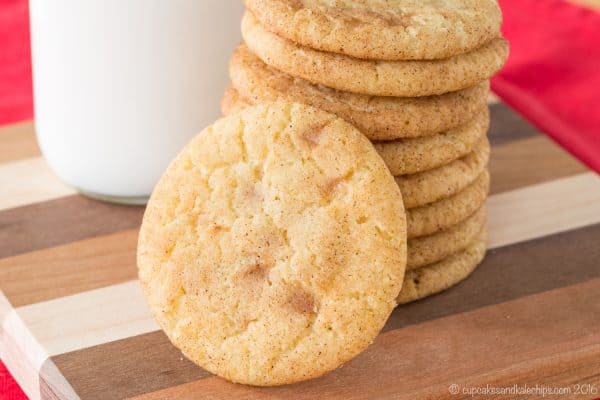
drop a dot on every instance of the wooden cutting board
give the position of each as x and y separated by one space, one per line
74 324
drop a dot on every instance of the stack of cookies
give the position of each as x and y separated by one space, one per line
412 76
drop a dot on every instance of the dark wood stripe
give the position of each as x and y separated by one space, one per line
544 335
18 142
69 269
61 221
512 272
508 126
145 363
526 162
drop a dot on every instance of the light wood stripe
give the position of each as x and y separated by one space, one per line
88 318
29 181
5 307
18 142
527 335
24 355
544 209
21 357
493 99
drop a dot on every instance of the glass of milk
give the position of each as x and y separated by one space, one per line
120 86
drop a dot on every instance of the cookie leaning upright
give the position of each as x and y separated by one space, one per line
274 246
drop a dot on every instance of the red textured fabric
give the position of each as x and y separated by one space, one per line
15 62
9 390
552 76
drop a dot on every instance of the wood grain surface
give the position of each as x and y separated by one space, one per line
75 326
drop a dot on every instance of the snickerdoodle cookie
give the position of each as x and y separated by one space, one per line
435 278
382 78
426 250
410 156
445 181
379 118
443 214
383 29
274 246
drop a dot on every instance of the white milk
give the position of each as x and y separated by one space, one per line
121 85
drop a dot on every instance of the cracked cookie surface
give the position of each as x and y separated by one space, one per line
274 246
380 78
383 29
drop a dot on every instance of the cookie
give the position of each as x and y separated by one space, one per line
435 278
406 157
232 102
379 118
383 30
443 214
409 156
274 246
426 250
445 181
381 78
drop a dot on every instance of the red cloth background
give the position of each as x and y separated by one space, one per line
9 390
553 74
15 62
552 78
